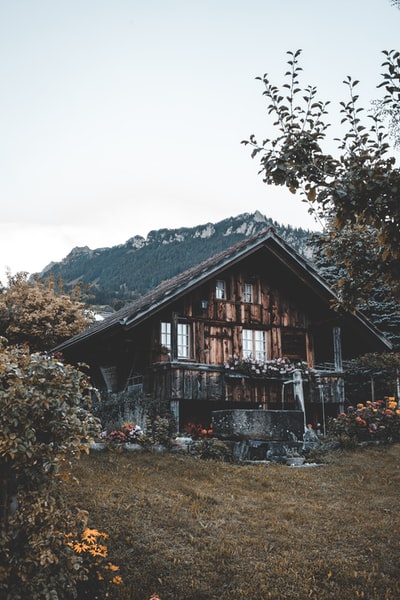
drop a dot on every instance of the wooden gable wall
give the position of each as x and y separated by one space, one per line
216 331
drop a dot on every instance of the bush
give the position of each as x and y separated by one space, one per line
211 449
160 430
116 434
42 428
378 420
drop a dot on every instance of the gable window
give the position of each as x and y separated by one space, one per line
183 340
253 344
220 290
247 292
165 337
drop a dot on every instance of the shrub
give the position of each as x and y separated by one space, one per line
161 430
116 434
378 420
211 449
42 428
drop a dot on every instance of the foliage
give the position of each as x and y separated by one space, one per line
379 370
93 552
121 274
354 247
211 448
114 408
375 361
42 427
391 116
356 190
378 420
276 367
126 433
159 430
353 256
40 313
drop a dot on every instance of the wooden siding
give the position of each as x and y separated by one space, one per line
183 382
216 328
265 393
216 325
190 383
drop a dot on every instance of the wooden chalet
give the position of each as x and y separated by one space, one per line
258 300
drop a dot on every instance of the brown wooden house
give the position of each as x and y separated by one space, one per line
257 301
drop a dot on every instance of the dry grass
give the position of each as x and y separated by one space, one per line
194 530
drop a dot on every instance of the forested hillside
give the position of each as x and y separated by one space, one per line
117 275
121 273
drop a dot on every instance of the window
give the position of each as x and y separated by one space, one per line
253 343
183 340
220 290
247 292
247 343
294 344
166 335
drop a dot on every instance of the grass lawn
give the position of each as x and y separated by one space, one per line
189 529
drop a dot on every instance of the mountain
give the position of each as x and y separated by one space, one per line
122 273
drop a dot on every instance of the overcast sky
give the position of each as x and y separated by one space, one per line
122 116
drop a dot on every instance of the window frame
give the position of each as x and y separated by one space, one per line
248 292
166 335
183 340
220 289
254 344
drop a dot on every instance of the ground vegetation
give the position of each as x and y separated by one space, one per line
188 529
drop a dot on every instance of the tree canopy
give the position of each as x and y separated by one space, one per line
355 193
39 313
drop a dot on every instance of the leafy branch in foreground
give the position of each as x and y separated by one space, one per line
359 189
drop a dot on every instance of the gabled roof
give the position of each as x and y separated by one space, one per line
172 289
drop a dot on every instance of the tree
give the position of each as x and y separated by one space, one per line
358 247
391 116
39 312
357 191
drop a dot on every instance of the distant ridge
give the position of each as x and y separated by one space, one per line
124 272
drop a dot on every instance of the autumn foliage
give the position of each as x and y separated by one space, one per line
40 313
43 427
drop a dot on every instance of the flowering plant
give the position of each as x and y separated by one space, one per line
197 431
378 420
97 572
275 367
127 432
